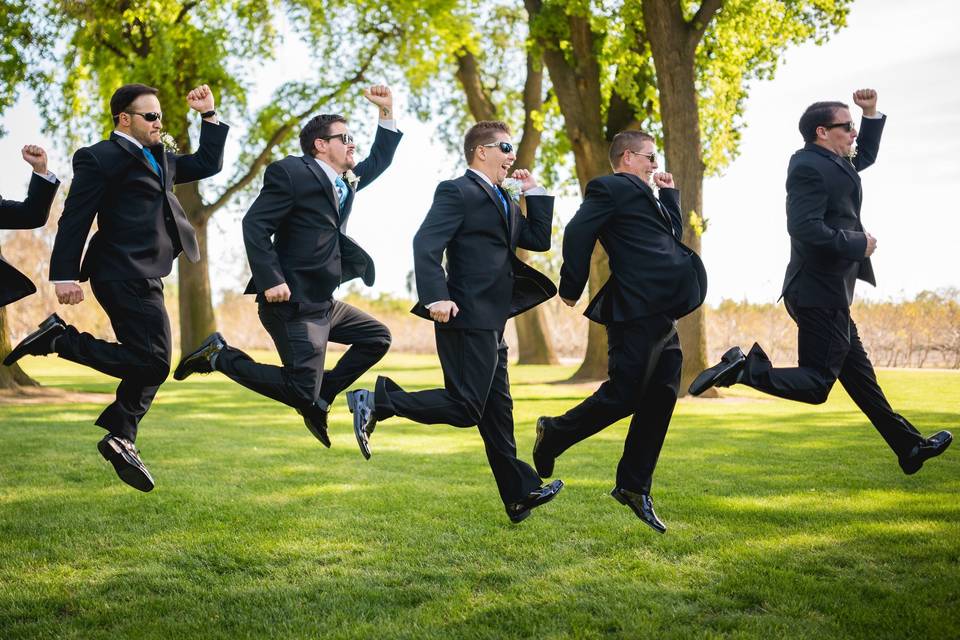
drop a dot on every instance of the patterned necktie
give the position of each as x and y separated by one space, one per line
503 201
341 190
152 161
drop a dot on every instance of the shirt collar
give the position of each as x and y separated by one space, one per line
484 176
130 138
328 170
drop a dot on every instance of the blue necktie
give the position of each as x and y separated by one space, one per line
341 190
152 161
503 201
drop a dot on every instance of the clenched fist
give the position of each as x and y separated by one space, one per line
380 95
36 157
866 99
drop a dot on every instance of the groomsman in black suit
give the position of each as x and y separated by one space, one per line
299 253
654 280
29 214
126 183
829 252
476 223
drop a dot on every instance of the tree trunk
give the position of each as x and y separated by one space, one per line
196 307
673 43
11 377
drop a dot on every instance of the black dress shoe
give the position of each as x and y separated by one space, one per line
642 505
930 448
125 458
202 360
315 419
542 460
520 511
40 342
361 405
723 374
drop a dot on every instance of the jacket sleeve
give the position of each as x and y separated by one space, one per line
670 199
806 208
32 212
537 225
79 210
261 222
868 142
207 160
580 236
435 233
381 155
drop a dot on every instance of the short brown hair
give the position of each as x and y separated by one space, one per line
484 132
623 141
317 127
124 97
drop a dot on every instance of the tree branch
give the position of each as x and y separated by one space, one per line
478 101
698 24
532 102
184 10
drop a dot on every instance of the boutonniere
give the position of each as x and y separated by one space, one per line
169 142
351 178
513 187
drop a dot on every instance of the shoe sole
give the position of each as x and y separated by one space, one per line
21 349
125 471
178 373
542 470
616 496
357 427
704 381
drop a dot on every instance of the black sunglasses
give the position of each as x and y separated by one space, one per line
150 116
847 126
506 147
652 157
345 138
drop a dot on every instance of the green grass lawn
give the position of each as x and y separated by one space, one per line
784 521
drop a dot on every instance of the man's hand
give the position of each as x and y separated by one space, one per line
444 310
36 157
871 245
68 292
379 94
569 302
663 180
279 293
527 181
866 99
200 99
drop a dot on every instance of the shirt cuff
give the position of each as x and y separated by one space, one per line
64 282
873 117
389 125
427 306
48 176
536 191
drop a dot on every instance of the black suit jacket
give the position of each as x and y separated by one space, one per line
29 214
483 274
141 225
651 271
827 242
295 231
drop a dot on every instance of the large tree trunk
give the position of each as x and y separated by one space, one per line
196 307
673 42
11 377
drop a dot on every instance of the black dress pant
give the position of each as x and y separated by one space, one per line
829 349
301 332
476 393
644 361
140 358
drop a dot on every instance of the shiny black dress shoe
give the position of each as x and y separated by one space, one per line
722 374
125 458
542 460
361 405
40 342
520 511
930 448
315 420
642 505
201 360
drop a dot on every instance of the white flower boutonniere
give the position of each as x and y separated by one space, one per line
513 187
169 142
351 178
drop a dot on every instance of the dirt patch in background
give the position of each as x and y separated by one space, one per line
50 395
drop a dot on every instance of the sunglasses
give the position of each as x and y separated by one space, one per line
506 147
150 116
652 157
345 138
846 126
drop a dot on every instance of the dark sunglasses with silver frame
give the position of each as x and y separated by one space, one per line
149 116
847 126
345 138
506 147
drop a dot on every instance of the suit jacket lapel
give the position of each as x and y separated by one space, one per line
161 155
324 182
494 198
648 191
137 153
